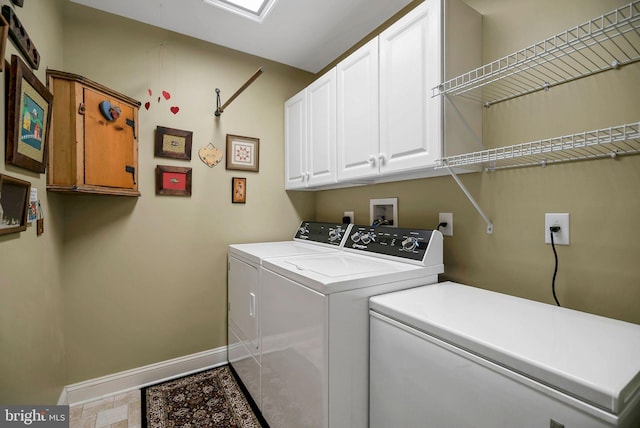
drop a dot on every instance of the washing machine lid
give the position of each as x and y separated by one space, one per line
256 252
310 237
589 357
341 271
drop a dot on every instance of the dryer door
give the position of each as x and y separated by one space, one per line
244 302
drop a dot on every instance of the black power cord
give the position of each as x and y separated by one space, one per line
552 230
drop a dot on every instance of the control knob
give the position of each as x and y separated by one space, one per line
335 234
409 244
367 238
355 237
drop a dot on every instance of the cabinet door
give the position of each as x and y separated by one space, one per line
321 130
357 134
410 64
108 145
295 111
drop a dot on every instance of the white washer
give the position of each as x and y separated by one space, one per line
245 261
454 356
315 328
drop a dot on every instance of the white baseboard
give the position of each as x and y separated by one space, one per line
142 376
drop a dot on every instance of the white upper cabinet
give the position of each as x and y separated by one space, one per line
321 130
388 124
358 144
410 66
295 141
310 135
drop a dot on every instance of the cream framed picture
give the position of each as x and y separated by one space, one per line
243 153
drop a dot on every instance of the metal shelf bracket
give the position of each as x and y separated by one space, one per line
472 200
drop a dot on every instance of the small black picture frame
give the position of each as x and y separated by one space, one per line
14 204
239 190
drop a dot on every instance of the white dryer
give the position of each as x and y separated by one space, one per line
454 356
244 264
315 327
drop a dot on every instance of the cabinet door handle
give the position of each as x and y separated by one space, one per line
252 305
382 158
372 160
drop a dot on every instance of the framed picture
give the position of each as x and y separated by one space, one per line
4 32
243 153
28 118
238 190
173 143
14 204
173 180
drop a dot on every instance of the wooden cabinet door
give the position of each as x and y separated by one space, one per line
108 145
410 64
357 122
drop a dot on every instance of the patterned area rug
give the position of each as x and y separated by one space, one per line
208 399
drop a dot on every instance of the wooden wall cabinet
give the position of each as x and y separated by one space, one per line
90 150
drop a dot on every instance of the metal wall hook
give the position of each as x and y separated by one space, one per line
218 110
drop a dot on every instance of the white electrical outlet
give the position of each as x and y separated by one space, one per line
446 218
350 215
560 237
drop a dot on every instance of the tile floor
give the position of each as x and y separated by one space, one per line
116 411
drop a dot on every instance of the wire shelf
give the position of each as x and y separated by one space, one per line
607 142
604 43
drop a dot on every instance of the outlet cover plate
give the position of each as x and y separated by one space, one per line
556 219
350 215
446 218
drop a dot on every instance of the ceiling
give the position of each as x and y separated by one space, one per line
306 34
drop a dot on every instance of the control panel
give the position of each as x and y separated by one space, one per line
326 233
391 241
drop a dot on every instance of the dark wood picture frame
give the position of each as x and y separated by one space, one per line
28 118
4 33
14 204
173 180
173 143
238 190
243 153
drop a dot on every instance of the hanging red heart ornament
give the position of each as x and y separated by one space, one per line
149 91
175 109
147 105
166 95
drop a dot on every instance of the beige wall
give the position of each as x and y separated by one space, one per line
598 272
145 278
31 326
116 283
